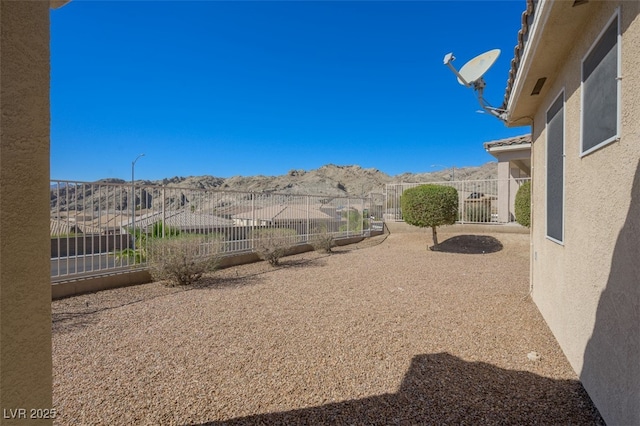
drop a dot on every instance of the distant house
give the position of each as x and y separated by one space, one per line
514 164
69 226
183 220
61 227
288 216
576 79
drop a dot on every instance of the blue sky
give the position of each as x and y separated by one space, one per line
248 88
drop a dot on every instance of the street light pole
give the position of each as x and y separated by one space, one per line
133 200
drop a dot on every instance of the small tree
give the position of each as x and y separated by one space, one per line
430 206
523 205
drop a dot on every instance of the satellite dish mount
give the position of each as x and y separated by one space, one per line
470 75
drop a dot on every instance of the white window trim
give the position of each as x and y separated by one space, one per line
564 168
616 137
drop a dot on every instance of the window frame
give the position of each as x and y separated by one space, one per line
616 136
561 95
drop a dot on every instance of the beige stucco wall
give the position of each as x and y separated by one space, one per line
504 173
588 289
25 289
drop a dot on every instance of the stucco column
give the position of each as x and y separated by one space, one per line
504 172
513 191
25 287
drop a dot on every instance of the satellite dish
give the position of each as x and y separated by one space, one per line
473 70
470 75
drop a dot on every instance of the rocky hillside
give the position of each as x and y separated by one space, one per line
327 180
330 180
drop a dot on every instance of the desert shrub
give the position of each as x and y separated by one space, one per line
322 240
430 206
141 240
354 220
169 231
273 243
131 255
183 260
523 204
477 211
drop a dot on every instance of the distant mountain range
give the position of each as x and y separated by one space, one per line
331 179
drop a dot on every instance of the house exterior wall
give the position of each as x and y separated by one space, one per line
25 286
588 288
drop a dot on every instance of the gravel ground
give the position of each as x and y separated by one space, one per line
380 332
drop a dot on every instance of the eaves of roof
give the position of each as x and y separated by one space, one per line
526 19
548 33
514 143
56 4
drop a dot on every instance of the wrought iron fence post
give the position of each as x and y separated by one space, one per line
348 211
308 224
164 217
463 204
253 219
362 220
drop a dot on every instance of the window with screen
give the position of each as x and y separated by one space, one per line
601 90
555 170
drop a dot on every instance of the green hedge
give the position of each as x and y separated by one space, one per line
523 205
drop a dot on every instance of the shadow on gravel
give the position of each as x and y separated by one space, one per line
62 322
219 282
304 263
469 244
443 389
78 314
215 282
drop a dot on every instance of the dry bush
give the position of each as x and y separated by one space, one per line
183 260
322 240
272 244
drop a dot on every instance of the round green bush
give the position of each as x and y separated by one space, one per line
430 206
523 205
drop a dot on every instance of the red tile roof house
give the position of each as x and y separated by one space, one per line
575 79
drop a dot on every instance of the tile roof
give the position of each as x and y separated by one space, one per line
181 219
514 141
527 19
186 219
284 212
70 226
